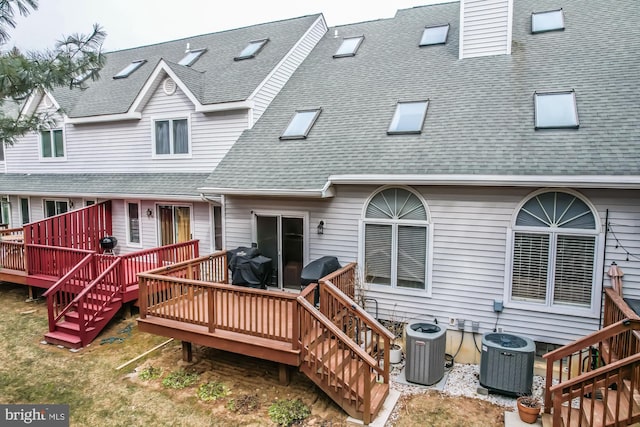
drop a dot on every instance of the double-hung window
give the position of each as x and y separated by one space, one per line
555 242
396 231
55 207
52 144
171 137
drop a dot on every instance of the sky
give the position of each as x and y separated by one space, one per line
131 23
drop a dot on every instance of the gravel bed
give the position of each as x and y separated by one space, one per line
461 380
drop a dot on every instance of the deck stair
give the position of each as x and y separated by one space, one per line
334 358
595 380
79 308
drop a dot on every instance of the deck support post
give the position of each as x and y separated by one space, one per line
284 374
187 351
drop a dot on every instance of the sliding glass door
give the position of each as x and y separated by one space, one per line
281 238
174 223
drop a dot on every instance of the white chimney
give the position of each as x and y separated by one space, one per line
485 27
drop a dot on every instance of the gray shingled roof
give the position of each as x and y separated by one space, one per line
126 184
221 79
480 118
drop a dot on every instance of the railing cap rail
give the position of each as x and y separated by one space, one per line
61 248
181 264
620 304
159 248
603 370
95 281
595 337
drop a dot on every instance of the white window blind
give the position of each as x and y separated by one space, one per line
377 250
530 267
412 253
574 270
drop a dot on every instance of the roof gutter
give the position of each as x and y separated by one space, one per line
326 191
67 195
105 118
577 181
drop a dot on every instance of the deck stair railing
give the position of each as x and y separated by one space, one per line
594 380
93 288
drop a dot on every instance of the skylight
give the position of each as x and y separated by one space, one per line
435 35
547 21
349 47
129 69
252 49
300 124
191 57
409 117
555 110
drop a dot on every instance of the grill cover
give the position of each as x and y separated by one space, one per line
317 269
249 268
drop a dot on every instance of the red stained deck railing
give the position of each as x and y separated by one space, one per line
52 260
80 229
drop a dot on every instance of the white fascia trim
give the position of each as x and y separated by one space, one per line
103 119
130 196
225 106
286 57
326 191
578 181
34 101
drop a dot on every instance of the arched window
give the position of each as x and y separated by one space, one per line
395 239
554 251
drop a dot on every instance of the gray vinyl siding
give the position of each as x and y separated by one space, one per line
279 77
485 28
121 147
471 228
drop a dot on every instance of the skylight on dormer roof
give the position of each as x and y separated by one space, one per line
191 57
129 69
434 35
552 20
252 49
349 47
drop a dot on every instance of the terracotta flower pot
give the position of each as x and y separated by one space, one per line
528 409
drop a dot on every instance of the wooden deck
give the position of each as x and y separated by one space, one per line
192 302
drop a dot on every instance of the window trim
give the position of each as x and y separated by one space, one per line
28 199
408 132
263 43
171 154
428 224
562 92
355 48
44 205
198 52
129 69
53 158
551 29
158 225
549 306
309 126
446 37
127 223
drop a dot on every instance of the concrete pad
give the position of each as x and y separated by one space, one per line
512 419
439 386
385 411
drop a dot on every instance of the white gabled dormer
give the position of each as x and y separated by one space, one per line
485 27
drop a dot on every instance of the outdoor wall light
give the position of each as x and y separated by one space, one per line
321 227
149 213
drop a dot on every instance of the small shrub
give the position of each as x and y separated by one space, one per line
212 390
150 373
179 379
286 412
244 404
